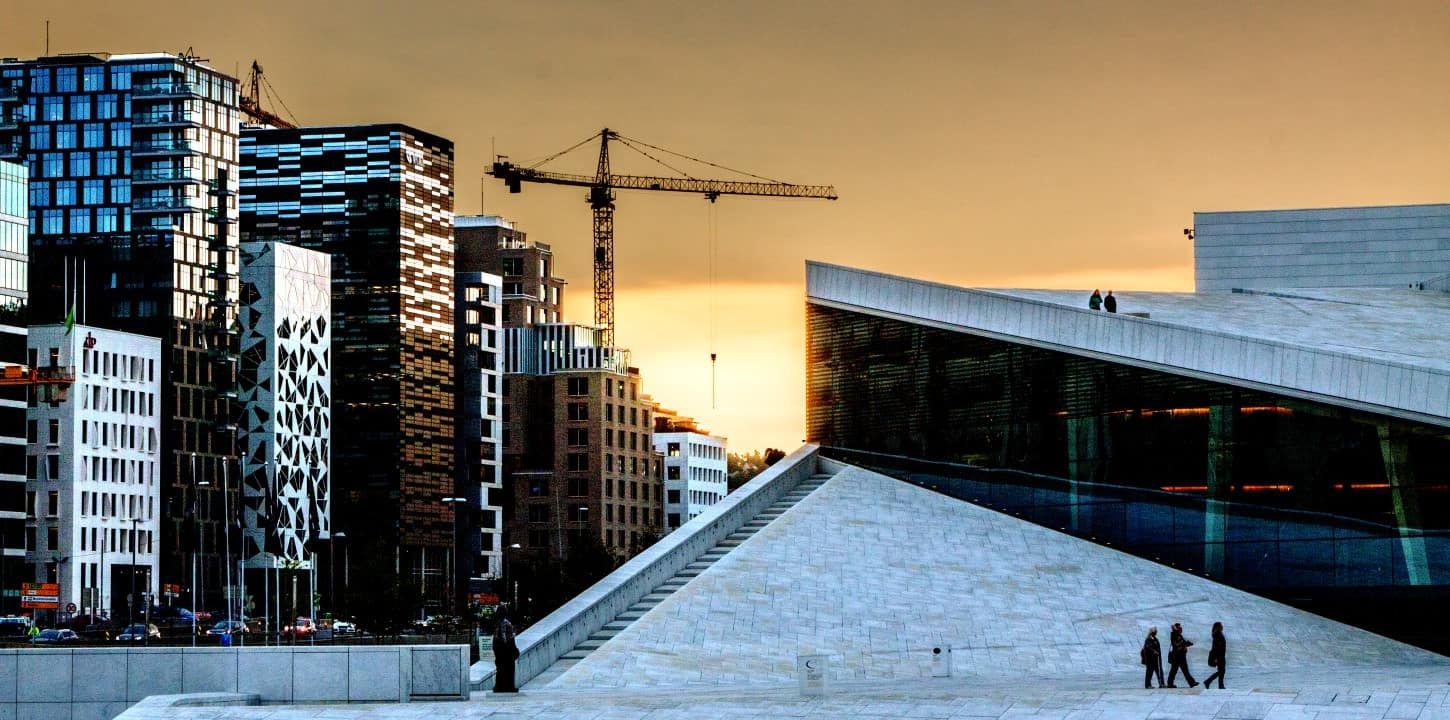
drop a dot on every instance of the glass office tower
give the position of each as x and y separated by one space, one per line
13 322
379 200
132 164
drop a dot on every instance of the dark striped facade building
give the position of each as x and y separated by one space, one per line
132 163
379 200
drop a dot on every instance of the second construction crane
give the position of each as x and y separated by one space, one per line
601 199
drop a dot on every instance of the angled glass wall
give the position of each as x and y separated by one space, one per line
1290 498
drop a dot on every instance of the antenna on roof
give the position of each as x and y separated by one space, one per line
47 37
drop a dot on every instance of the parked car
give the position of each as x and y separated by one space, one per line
302 628
138 632
172 616
14 626
96 631
343 627
228 627
54 636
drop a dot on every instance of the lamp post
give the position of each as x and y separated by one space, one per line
200 541
332 569
451 593
504 557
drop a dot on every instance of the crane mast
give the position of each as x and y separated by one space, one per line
601 201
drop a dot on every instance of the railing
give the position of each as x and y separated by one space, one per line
166 204
164 146
173 89
544 642
166 176
167 118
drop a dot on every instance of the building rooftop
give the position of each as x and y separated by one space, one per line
1380 350
874 573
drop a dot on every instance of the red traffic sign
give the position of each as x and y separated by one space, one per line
70 607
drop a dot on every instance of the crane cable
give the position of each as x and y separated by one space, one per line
703 162
565 151
713 265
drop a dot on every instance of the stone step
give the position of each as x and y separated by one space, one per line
631 614
616 626
671 584
575 655
714 554
688 573
657 596
589 644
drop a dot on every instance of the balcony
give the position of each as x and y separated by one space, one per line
9 125
164 119
212 216
164 90
161 147
161 205
166 176
9 94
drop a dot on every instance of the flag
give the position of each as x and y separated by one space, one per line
70 318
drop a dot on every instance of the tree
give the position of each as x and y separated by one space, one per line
741 467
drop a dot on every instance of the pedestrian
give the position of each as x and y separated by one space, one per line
1152 657
505 652
1110 303
1216 653
1178 656
1095 301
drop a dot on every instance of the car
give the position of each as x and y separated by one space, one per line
54 636
137 632
343 627
14 626
228 627
302 628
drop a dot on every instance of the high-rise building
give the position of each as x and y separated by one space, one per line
13 283
94 493
532 295
379 200
285 393
696 474
132 164
480 392
578 461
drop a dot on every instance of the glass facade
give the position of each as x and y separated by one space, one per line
1295 499
379 200
128 154
13 322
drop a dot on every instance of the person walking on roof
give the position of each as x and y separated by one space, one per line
1216 653
1178 656
1110 303
1152 657
1095 301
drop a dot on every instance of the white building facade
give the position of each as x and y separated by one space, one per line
696 474
479 364
286 388
93 479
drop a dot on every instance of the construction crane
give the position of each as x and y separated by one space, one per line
51 384
601 199
251 101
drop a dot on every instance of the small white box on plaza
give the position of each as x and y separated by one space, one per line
941 661
811 669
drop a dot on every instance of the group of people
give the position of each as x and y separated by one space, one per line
1096 301
1152 657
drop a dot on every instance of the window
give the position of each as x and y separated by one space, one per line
53 435
609 438
578 411
674 496
672 473
578 487
578 386
608 467
52 464
538 487
577 462
634 490
52 538
608 513
608 412
578 437
609 386
578 513
673 449
52 503
538 513
634 416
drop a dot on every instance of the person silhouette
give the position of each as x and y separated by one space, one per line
1095 301
1216 659
1110 303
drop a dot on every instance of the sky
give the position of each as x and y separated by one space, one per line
991 143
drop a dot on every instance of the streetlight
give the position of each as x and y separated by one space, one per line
452 592
332 568
505 558
200 543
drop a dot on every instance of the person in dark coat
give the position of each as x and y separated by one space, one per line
1152 657
1095 301
1178 656
1110 303
505 652
1216 654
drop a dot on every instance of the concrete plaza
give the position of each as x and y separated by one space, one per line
874 573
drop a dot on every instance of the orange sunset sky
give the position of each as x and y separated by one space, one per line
991 143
